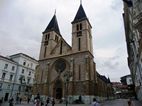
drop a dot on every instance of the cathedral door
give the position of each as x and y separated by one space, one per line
58 90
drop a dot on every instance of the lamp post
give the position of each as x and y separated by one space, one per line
67 76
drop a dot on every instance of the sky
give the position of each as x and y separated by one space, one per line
23 21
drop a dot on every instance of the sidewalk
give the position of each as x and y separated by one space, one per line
137 103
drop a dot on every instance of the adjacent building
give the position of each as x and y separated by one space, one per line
68 71
130 89
16 75
133 31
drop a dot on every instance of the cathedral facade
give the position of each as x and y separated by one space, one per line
64 70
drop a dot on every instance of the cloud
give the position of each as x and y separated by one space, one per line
22 24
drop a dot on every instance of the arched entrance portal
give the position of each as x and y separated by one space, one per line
58 90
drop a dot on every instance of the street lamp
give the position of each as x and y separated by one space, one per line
67 76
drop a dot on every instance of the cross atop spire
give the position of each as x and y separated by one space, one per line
55 12
80 1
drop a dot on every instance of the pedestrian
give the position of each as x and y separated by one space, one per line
53 102
28 100
37 102
20 100
95 103
11 101
130 102
1 102
47 101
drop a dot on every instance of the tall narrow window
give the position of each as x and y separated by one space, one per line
11 77
48 36
79 77
77 27
24 63
56 38
80 26
6 66
45 37
79 43
13 68
45 51
61 47
23 71
3 76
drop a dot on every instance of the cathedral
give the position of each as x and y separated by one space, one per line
64 70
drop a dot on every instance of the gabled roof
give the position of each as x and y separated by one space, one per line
53 26
81 15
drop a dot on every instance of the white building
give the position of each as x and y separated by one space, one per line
8 70
23 75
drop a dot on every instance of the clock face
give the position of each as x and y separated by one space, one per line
60 65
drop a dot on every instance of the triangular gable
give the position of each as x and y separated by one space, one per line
66 48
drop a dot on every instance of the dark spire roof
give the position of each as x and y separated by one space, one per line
81 15
53 26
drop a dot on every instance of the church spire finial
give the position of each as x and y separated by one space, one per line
80 2
55 12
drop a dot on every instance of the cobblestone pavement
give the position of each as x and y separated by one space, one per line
117 102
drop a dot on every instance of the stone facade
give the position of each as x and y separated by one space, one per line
133 31
58 58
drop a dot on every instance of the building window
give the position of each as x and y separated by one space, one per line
3 75
77 27
31 65
80 26
79 42
19 88
79 75
45 37
28 80
48 36
30 73
13 68
61 47
0 85
6 66
11 77
8 86
56 38
45 51
23 71
24 63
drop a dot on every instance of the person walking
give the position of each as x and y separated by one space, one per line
11 101
47 101
28 100
53 102
20 99
95 103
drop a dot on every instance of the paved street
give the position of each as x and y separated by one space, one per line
117 102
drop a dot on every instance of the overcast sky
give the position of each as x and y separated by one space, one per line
23 21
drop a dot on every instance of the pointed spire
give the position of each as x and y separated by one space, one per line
53 25
81 15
